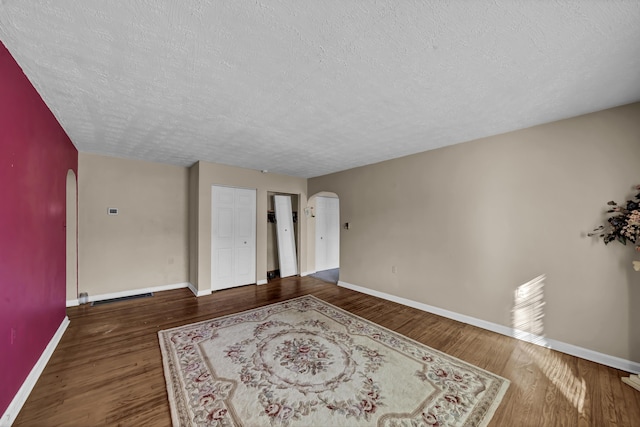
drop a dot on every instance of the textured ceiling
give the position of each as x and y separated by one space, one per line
307 88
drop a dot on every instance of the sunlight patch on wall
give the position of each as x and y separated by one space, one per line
528 311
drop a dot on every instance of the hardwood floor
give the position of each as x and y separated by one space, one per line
107 369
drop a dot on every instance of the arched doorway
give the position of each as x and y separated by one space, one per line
324 235
72 239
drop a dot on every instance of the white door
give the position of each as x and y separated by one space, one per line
245 237
233 237
333 232
286 237
327 233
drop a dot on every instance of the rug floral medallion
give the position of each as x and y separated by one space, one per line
305 362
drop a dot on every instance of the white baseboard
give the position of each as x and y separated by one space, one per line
193 289
307 273
73 302
573 350
262 282
198 293
21 396
132 292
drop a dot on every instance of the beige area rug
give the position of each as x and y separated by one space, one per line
304 362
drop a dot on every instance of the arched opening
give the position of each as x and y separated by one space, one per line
323 235
72 238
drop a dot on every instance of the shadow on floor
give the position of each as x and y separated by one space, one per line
330 276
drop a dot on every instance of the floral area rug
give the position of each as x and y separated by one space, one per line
304 362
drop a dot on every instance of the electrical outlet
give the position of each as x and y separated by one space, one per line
394 269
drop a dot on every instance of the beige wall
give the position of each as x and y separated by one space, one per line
466 224
214 174
146 244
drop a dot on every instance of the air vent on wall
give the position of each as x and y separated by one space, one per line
112 211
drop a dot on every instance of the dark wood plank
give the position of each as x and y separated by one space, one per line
107 369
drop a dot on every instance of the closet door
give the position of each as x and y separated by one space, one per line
245 237
233 237
286 238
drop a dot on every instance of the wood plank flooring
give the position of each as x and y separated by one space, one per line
107 369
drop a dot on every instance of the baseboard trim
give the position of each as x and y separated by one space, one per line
193 289
132 292
307 273
21 396
198 293
73 302
573 350
261 282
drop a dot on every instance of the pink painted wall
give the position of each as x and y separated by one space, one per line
35 155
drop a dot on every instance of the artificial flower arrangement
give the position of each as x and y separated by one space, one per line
624 225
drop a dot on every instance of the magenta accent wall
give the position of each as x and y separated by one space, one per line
35 155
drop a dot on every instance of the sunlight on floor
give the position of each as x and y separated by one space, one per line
573 388
528 323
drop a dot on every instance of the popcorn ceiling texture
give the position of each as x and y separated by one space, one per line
306 88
